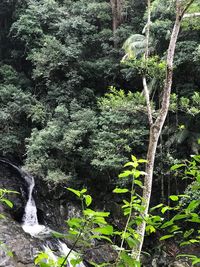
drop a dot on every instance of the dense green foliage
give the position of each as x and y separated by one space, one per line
58 59
181 223
72 108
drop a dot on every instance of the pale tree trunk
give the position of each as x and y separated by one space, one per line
146 55
157 125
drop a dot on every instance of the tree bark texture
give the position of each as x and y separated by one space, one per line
117 15
156 128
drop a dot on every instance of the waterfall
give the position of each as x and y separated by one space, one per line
30 221
30 215
31 225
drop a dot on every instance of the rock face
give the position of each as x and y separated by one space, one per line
10 179
101 254
14 239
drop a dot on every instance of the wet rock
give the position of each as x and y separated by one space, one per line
14 239
180 264
10 179
101 254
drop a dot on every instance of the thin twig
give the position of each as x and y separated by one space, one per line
79 235
128 220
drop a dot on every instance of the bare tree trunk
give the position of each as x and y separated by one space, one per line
156 127
117 17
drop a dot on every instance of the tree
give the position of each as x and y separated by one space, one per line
156 124
117 15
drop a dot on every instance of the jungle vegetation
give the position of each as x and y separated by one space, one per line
73 76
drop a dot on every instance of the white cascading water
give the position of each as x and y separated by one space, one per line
30 224
64 250
30 221
30 215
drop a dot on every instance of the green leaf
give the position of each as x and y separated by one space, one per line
150 229
120 190
92 213
76 192
106 230
188 233
74 222
174 228
9 253
133 158
139 183
196 261
41 257
156 207
7 202
176 166
2 216
193 241
142 161
174 198
127 211
185 243
163 210
76 261
166 237
88 200
84 190
99 220
125 174
179 217
131 242
129 261
44 264
128 164
73 232
193 205
167 224
194 220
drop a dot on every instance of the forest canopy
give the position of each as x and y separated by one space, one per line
71 109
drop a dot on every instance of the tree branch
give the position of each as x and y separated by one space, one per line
191 15
148 28
74 245
144 80
186 8
146 93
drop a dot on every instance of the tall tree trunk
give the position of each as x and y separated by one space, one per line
157 125
117 17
